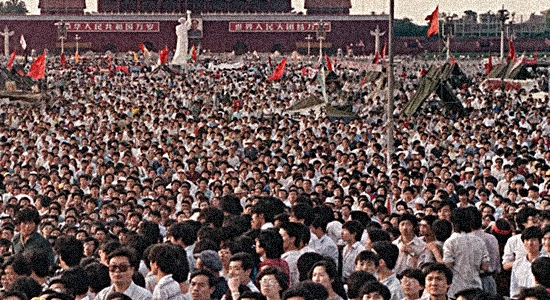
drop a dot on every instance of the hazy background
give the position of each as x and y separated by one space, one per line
417 11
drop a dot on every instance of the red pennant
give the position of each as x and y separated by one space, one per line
122 69
142 48
10 62
163 55
38 68
512 53
433 27
329 63
376 58
279 71
489 65
194 53
384 51
63 60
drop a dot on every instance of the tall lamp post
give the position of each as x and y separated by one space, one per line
308 39
389 112
77 38
503 15
61 33
321 34
449 33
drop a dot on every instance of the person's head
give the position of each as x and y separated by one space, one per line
412 282
356 280
438 279
270 244
527 217
469 294
26 285
70 251
184 233
100 274
352 231
209 259
249 295
297 293
461 220
39 260
324 272
407 224
123 262
272 281
388 254
202 284
13 295
534 293
540 268
367 261
531 238
306 261
291 233
27 219
374 290
241 266
117 296
162 258
75 281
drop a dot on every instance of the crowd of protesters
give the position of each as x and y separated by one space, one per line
197 184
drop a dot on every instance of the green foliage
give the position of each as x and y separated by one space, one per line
405 27
13 7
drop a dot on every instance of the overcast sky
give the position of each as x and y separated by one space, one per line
416 12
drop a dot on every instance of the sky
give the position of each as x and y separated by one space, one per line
417 12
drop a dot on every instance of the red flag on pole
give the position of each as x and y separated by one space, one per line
512 53
163 55
433 27
122 69
10 62
489 65
63 60
38 67
194 53
384 51
329 63
376 58
279 71
142 48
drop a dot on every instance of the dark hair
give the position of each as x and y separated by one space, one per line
251 295
316 290
212 215
186 231
461 220
532 232
165 258
354 227
442 229
70 250
539 293
388 252
17 294
306 261
116 295
27 215
378 235
279 275
20 264
439 268
367 255
128 253
39 260
75 281
27 286
246 259
523 215
469 294
272 242
332 271
415 274
540 268
297 291
356 280
100 275
375 286
211 277
293 229
303 211
475 217
408 217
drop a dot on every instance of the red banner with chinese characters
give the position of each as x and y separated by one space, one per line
282 26
113 26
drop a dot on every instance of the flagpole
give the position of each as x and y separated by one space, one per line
390 74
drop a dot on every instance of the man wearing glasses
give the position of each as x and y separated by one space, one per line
123 263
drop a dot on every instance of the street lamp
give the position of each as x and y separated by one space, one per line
390 74
503 15
61 33
77 38
308 39
449 33
321 35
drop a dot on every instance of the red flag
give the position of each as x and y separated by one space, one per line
384 51
38 67
453 61
329 64
279 70
376 58
363 81
63 60
304 72
122 69
433 27
547 41
163 55
10 62
489 65
194 53
512 53
142 48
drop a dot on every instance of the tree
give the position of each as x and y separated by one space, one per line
13 7
405 27
470 16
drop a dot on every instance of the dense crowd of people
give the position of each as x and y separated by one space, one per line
197 183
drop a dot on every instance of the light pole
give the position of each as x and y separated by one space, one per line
77 38
449 32
503 15
308 39
61 33
321 35
389 112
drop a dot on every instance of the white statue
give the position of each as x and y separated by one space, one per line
180 56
